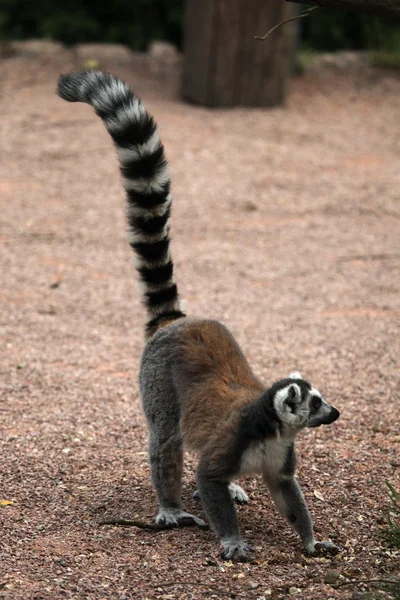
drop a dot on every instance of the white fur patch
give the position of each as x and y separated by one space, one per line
290 419
166 307
154 211
314 392
267 457
294 375
142 287
105 99
147 185
132 111
138 261
282 394
139 151
137 236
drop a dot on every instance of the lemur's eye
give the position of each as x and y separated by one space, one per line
316 402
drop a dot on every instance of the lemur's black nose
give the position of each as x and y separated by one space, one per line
334 414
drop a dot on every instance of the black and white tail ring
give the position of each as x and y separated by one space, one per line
146 178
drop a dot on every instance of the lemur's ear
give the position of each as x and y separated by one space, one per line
294 375
291 398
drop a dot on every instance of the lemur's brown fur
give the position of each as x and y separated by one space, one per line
217 379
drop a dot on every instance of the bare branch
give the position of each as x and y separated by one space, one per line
305 13
358 582
383 8
150 526
211 586
369 257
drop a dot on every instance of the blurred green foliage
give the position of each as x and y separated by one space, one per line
137 22
130 22
329 30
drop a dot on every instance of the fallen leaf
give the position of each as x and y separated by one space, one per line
319 495
91 63
6 502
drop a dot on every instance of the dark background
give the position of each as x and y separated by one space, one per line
138 22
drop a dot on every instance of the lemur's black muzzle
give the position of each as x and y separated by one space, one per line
333 415
325 419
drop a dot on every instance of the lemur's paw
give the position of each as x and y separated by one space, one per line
237 494
320 548
326 548
236 550
170 517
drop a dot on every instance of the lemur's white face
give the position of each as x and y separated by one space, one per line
299 405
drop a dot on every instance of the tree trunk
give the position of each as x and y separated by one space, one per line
224 65
383 8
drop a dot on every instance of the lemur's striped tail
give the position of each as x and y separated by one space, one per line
146 179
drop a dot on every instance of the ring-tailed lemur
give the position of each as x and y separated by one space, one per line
196 386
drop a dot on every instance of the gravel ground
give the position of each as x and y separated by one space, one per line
286 228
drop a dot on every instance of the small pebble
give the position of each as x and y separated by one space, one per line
252 585
294 590
331 576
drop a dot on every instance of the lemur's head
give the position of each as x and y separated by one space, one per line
298 404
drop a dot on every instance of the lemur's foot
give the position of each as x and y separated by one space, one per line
174 517
237 494
236 549
320 548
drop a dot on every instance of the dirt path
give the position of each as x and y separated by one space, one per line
286 227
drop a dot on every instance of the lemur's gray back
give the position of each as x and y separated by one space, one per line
146 179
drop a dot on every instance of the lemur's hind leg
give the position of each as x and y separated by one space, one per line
166 460
162 411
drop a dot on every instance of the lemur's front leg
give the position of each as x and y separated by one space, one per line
290 502
220 509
